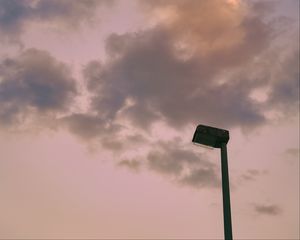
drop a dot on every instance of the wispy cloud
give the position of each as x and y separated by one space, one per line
294 152
291 156
267 209
252 174
131 164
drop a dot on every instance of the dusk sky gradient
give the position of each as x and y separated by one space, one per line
99 101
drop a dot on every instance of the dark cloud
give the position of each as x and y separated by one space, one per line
110 135
149 78
34 82
200 63
202 178
14 14
161 86
92 128
163 163
169 158
183 165
284 93
89 126
264 209
11 14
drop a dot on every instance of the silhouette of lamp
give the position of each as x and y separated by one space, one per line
218 138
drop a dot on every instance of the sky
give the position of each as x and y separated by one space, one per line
99 101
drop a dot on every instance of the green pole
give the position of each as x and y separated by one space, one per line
226 193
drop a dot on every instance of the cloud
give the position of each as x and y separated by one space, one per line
157 74
170 158
131 164
163 163
14 14
88 126
93 128
199 62
291 155
215 29
294 152
160 86
202 178
252 174
265 209
184 166
285 90
34 82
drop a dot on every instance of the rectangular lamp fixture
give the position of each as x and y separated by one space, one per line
210 136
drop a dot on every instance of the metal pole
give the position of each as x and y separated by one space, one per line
226 194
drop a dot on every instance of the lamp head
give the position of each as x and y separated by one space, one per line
210 136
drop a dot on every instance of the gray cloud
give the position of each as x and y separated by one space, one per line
89 126
199 66
110 135
291 155
183 165
131 164
252 174
14 14
169 158
285 89
188 69
265 209
164 87
11 14
163 163
34 82
148 70
294 152
93 128
206 177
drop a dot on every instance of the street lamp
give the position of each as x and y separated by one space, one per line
218 138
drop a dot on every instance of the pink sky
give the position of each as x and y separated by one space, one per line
99 101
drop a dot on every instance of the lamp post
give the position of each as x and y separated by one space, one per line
218 138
